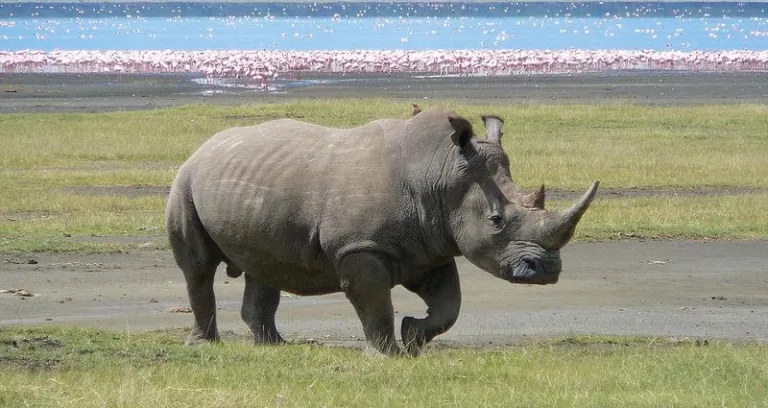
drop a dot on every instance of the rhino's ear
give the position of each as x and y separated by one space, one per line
462 131
494 128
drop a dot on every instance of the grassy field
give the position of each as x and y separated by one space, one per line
81 368
46 157
52 166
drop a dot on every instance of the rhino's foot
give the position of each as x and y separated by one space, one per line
196 339
383 349
413 335
373 352
267 338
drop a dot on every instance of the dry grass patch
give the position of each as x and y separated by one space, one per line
562 145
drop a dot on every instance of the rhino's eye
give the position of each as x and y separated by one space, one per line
496 219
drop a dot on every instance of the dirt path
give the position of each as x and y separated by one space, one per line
696 289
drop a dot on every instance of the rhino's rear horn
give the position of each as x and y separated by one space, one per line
535 199
494 128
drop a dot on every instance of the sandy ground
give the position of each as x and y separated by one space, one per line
681 289
685 289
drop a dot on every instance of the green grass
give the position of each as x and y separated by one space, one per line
726 217
70 367
105 224
560 145
45 156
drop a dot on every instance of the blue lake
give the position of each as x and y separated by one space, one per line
384 26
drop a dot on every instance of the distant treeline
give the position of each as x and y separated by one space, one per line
383 9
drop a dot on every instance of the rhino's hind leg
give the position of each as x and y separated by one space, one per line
203 303
365 280
441 291
258 311
198 257
199 270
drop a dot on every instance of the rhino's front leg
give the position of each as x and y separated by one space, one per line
365 279
258 311
441 291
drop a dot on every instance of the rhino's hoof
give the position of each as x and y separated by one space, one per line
269 340
414 337
373 352
197 340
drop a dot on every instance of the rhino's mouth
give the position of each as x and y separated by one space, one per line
527 272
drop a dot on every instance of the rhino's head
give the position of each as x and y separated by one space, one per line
495 227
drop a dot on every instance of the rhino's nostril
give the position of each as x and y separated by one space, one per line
530 264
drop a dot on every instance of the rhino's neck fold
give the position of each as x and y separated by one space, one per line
435 191
433 229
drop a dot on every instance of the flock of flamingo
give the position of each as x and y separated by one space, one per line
261 67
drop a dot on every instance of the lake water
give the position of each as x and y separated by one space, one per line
384 26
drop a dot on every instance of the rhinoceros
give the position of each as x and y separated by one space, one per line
313 210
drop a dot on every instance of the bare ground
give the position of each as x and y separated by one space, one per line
678 289
668 288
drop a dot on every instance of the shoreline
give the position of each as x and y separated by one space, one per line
111 92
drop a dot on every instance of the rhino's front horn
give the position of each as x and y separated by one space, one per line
556 230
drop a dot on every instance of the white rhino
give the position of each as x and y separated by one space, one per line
312 210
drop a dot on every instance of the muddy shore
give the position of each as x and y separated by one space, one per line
100 92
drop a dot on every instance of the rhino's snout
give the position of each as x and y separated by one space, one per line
528 271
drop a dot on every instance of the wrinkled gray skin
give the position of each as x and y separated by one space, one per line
312 210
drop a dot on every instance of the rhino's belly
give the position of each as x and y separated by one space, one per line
278 256
290 276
